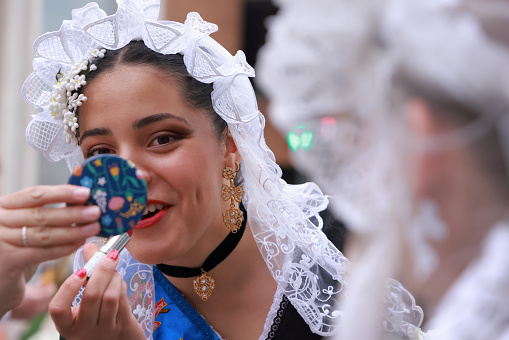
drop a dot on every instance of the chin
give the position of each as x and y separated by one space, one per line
145 252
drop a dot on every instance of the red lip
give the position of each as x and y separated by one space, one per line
149 222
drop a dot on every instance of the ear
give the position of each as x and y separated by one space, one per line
420 118
231 153
428 169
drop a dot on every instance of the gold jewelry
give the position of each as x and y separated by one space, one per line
232 217
203 285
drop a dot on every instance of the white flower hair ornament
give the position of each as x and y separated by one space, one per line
65 98
283 218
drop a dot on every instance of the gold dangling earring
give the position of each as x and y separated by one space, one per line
232 217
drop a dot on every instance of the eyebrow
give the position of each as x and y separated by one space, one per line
139 124
95 132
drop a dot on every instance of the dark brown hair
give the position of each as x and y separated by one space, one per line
195 93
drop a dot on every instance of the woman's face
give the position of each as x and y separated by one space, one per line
139 114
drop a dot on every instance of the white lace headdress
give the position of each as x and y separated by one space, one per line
283 218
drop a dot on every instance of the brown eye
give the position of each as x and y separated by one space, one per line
162 139
98 151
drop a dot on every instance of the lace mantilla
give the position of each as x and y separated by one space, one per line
283 218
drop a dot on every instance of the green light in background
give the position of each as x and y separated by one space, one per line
303 140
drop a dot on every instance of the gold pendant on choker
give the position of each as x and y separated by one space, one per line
203 285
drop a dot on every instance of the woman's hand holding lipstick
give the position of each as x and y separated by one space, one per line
104 312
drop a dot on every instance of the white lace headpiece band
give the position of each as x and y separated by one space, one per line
283 218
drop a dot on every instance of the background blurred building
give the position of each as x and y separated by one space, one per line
22 21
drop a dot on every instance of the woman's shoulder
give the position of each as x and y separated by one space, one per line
285 322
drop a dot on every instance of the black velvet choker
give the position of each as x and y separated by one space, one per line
203 283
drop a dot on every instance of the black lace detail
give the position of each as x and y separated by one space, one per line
283 305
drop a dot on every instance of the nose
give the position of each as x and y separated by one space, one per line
146 174
139 163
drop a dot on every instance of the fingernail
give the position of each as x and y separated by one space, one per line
91 229
113 255
37 193
92 212
81 273
81 193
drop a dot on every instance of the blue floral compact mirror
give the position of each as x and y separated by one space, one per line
117 187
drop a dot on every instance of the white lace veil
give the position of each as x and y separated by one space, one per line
361 139
283 218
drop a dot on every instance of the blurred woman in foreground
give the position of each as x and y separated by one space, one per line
418 158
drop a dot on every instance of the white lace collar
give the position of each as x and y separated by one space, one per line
479 299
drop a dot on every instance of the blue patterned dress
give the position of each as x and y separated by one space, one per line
175 318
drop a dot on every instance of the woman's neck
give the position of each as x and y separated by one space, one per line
241 280
469 212
235 270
